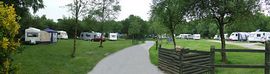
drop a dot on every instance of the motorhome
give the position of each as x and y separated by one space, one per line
87 35
258 36
113 36
196 36
62 35
32 35
239 36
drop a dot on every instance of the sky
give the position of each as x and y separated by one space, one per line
55 9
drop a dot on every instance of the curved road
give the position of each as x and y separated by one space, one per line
131 60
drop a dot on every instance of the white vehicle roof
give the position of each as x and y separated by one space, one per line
62 31
31 29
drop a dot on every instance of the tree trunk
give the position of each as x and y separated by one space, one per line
75 37
101 40
75 32
174 43
223 45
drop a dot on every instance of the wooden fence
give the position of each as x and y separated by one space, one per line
202 62
264 66
186 61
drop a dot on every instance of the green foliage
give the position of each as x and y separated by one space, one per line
135 26
22 6
9 28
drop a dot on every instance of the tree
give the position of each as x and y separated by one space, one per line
67 24
104 10
171 13
223 12
9 28
77 8
22 6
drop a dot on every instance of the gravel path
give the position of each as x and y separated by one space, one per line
131 60
246 45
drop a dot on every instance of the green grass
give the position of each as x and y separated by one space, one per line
56 59
234 58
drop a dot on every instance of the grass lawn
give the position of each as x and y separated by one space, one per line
234 58
56 59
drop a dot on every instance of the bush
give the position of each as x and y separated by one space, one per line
8 44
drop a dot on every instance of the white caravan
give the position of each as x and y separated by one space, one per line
185 36
196 36
87 36
113 36
32 35
239 36
62 35
217 37
258 36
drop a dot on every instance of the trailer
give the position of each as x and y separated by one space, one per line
196 36
239 36
62 35
87 35
113 36
258 36
32 35
217 37
185 36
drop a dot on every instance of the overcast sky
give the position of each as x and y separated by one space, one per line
55 9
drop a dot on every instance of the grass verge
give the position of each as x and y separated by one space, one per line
55 58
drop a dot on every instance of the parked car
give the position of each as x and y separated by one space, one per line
97 39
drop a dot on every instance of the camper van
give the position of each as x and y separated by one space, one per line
113 36
87 36
32 35
62 35
196 36
258 36
239 36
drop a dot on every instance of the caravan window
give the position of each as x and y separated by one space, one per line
236 34
258 35
88 35
113 35
32 34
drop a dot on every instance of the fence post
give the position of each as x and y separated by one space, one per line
181 56
157 45
266 71
212 58
159 48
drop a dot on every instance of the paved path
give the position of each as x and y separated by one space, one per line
132 60
242 44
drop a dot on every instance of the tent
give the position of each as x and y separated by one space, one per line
53 34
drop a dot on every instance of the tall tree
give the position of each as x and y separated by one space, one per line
223 12
104 10
78 8
171 13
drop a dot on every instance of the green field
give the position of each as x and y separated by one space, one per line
55 58
234 58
